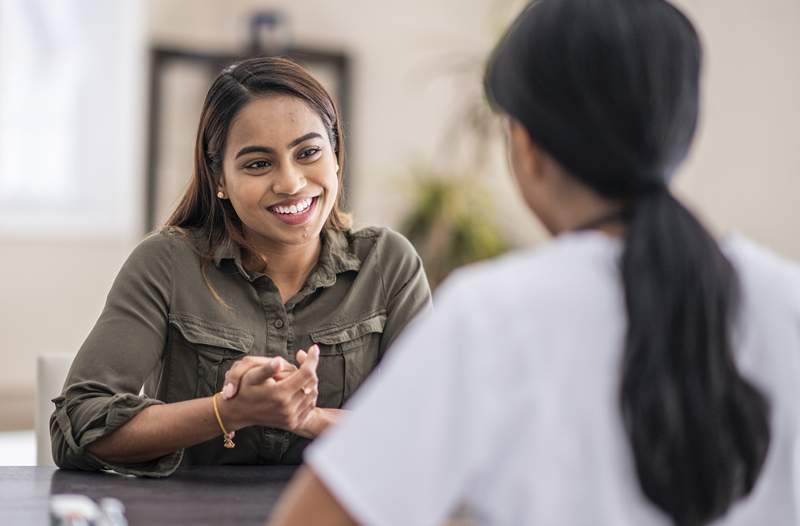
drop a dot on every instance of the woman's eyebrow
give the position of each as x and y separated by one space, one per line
305 137
267 149
254 149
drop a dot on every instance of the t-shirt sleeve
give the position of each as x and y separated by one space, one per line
418 433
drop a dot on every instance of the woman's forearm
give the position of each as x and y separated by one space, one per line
159 430
165 428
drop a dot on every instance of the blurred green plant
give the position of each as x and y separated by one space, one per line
451 223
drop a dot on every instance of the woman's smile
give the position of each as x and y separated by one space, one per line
295 211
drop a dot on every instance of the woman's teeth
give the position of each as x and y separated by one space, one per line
296 208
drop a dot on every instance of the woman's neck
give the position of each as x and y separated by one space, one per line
573 206
287 265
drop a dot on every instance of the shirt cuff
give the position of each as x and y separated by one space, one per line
79 422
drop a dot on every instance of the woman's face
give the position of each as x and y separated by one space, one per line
280 171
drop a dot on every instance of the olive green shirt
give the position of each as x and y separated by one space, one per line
163 337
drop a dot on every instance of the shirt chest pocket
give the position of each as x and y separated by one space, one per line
348 354
204 351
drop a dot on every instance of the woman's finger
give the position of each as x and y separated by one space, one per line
307 373
234 376
260 374
301 356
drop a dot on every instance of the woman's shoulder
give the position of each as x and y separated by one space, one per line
382 236
166 244
386 255
385 245
554 267
766 277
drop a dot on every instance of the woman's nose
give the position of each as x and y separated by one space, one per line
290 180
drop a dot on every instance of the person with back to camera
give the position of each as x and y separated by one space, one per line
632 371
256 313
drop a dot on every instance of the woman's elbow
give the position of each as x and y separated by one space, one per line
64 456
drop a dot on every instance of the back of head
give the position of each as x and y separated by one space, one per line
610 89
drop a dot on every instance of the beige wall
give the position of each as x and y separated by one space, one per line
52 292
743 172
745 169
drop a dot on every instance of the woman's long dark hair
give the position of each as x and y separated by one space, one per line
610 88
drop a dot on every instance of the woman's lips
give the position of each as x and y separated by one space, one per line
298 217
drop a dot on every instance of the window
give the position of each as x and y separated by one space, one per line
71 116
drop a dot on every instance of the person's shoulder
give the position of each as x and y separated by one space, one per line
165 244
756 256
764 273
384 238
554 268
386 247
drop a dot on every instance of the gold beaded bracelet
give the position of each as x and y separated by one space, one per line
228 436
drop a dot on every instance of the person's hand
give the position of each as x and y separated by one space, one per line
282 369
263 400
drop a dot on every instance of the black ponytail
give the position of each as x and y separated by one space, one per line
610 89
698 430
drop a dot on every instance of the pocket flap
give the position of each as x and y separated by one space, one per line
341 334
203 332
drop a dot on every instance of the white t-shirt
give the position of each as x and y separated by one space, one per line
505 398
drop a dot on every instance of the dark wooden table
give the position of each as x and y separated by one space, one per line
241 495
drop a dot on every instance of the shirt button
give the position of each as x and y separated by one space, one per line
278 324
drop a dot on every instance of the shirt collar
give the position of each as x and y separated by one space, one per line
229 250
336 257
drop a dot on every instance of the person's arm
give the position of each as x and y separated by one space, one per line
405 286
101 391
160 430
308 501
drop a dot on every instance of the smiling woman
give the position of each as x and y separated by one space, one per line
256 312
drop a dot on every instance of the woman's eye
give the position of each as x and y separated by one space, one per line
309 152
258 165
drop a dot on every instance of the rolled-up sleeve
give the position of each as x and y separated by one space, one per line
101 392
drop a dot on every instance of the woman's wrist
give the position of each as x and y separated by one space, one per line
318 421
312 425
230 417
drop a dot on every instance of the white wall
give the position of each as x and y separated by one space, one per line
743 171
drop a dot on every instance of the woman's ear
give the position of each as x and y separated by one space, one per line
221 192
524 155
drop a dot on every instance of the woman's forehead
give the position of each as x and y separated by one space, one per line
274 121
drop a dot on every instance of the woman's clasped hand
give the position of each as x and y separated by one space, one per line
272 392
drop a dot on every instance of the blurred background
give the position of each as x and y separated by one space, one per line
99 104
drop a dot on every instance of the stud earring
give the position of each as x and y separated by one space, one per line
220 195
